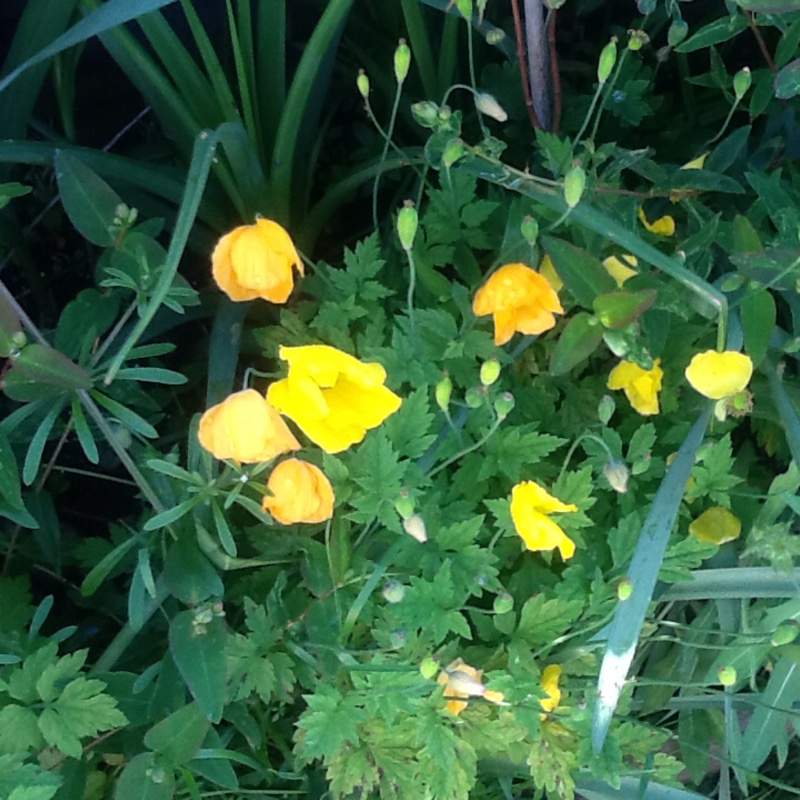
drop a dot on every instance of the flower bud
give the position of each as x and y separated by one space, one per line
19 339
529 229
677 32
464 8
362 82
407 225
495 36
606 408
402 61
503 603
404 504
428 668
726 675
608 57
624 589
414 526
398 638
741 82
474 396
637 40
453 150
785 633
490 371
504 404
425 113
617 475
393 591
574 184
488 105
443 391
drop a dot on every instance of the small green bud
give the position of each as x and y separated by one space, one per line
362 82
608 57
606 408
490 371
428 668
488 105
393 592
529 229
474 396
741 82
503 603
495 36
677 32
637 40
402 61
425 113
726 675
407 225
464 8
414 526
398 638
785 633
574 184
19 339
404 504
443 391
453 150
617 475
504 404
624 589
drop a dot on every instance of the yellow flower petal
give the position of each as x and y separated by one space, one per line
716 375
548 271
300 492
462 681
549 683
620 269
537 530
663 226
696 163
716 525
641 386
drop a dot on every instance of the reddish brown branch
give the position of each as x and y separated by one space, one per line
761 43
522 61
555 77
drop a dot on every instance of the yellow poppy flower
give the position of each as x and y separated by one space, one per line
663 226
620 269
256 261
716 375
548 271
531 506
300 493
519 299
333 397
641 386
245 428
549 683
462 681
716 525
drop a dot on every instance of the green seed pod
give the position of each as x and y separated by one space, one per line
785 633
624 589
362 82
741 82
503 603
504 404
607 60
443 391
606 408
637 40
425 113
529 229
574 184
474 396
407 225
726 675
402 61
428 668
490 371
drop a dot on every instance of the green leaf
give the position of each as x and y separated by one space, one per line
583 274
152 375
101 570
89 201
619 309
8 191
376 469
721 30
199 655
745 236
84 432
144 778
21 780
513 450
34 455
129 419
178 737
330 721
579 339
542 619
409 427
41 364
10 328
10 489
19 729
758 316
188 573
770 6
172 514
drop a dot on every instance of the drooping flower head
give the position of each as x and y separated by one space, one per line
641 386
333 397
717 375
620 269
462 681
256 261
549 683
716 525
531 506
663 226
519 299
548 271
245 428
300 492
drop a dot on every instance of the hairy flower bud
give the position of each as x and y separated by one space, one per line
443 391
474 396
414 526
425 113
490 371
504 404
404 504
487 104
785 633
503 603
407 225
529 229
574 184
624 589
428 668
726 675
617 475
402 61
741 82
606 408
637 40
393 592
608 57
362 82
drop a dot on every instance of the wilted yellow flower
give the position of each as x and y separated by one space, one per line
256 261
620 269
300 493
641 386
717 375
549 683
530 507
663 226
716 525
246 428
548 271
333 397
519 299
461 681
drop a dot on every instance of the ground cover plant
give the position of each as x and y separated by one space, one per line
419 418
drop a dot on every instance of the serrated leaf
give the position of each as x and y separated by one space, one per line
510 451
542 619
408 428
376 469
330 721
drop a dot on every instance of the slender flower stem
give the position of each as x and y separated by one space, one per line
113 333
387 138
610 88
467 450
412 282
